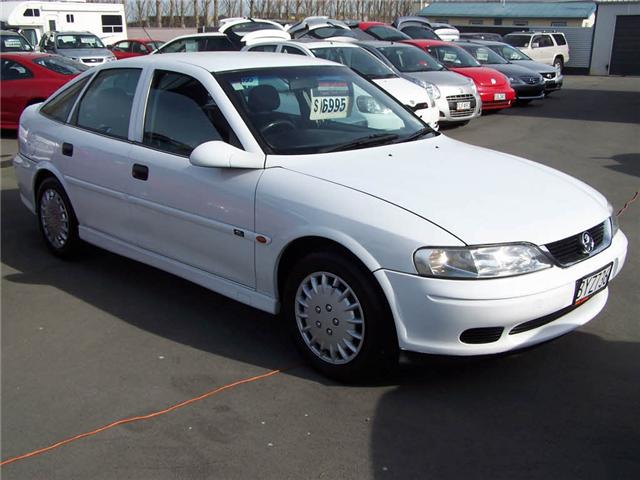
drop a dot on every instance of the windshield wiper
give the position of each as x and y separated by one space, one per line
377 138
420 133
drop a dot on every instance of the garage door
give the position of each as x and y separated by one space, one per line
625 55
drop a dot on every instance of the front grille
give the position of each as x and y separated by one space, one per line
549 75
92 60
453 100
481 335
539 322
530 80
569 250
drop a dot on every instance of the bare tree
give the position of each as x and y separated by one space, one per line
196 17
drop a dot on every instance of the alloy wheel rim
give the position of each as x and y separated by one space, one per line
329 317
54 218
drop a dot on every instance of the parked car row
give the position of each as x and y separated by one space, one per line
441 81
294 185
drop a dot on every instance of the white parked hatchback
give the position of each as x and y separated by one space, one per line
259 176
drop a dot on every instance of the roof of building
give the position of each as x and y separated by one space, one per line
510 10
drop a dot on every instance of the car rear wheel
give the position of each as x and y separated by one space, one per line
56 219
338 317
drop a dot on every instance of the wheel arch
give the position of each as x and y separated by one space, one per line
41 175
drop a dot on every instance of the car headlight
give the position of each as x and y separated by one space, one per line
417 81
615 226
434 91
472 84
110 58
515 81
490 261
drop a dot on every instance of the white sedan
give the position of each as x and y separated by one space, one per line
259 177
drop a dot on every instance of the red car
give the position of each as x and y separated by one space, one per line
493 87
28 78
134 47
382 31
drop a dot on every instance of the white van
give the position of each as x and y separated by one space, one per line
33 19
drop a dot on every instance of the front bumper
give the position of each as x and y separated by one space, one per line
551 84
488 96
431 314
529 92
447 105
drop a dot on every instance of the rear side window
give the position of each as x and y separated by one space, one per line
263 48
14 71
292 50
560 40
200 119
106 105
59 107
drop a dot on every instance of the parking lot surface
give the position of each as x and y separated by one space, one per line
102 338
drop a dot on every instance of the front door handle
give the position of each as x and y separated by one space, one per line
67 149
140 172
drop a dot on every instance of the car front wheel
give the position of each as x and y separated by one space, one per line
56 219
339 318
558 64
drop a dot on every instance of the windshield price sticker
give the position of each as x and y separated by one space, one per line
327 107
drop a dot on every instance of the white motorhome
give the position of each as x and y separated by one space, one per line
33 18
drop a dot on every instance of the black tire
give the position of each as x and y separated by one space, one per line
68 246
558 63
378 349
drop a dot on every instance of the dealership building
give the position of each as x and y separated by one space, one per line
604 36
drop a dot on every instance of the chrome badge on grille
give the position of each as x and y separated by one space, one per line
587 244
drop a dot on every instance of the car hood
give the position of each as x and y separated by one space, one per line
441 78
483 76
511 70
479 195
406 92
85 52
536 66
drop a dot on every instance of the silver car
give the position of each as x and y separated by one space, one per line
456 95
82 47
552 76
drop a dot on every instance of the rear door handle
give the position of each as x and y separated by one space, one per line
67 149
140 172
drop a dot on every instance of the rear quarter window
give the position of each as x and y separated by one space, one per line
59 107
560 40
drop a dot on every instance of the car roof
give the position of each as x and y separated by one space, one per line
225 61
428 43
322 43
141 40
199 35
75 32
384 43
486 42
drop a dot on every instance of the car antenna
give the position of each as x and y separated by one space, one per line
146 33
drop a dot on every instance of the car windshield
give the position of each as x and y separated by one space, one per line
14 43
390 34
484 55
64 42
454 57
328 32
411 59
246 27
510 53
357 59
518 40
317 109
60 64
420 33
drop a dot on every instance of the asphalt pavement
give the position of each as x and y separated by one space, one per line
103 338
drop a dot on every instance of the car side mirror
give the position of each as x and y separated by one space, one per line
217 154
535 45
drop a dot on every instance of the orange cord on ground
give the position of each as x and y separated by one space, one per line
140 417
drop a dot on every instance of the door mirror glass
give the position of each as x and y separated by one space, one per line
217 154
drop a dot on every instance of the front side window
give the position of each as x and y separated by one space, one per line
14 43
263 48
60 106
112 23
485 56
545 41
454 57
181 114
410 59
292 50
13 71
306 110
357 59
69 41
60 64
121 47
137 47
106 105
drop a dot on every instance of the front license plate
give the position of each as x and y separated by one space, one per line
499 96
592 284
463 105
